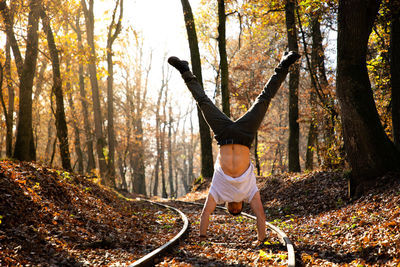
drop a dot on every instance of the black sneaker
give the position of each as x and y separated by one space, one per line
181 65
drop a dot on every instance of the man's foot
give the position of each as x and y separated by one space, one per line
181 65
288 59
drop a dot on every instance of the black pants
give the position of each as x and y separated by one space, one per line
243 130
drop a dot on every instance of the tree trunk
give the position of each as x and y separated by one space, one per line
61 123
155 186
49 139
294 132
207 166
158 139
257 159
91 165
190 174
162 162
369 150
11 96
122 172
98 119
312 136
395 69
77 142
170 171
111 37
139 140
315 56
162 143
9 29
223 58
24 145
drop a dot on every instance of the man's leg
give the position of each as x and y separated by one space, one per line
252 119
215 118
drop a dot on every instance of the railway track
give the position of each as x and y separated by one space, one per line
230 242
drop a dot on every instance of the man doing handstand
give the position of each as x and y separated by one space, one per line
234 180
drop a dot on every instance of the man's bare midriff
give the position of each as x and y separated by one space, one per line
234 159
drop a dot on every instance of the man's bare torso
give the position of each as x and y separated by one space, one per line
234 159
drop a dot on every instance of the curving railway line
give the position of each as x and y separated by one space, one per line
230 242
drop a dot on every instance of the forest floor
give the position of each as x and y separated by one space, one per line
50 217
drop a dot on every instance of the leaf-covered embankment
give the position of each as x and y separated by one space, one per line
329 230
53 217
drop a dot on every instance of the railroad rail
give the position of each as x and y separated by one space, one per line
282 235
148 260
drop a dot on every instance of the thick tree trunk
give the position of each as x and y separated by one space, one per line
61 123
369 150
395 69
294 130
98 118
223 58
207 166
24 145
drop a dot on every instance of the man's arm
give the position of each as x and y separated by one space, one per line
258 210
208 208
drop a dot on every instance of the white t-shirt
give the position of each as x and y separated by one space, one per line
228 189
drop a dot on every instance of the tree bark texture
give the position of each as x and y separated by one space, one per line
223 58
207 165
395 69
369 150
61 123
98 118
24 144
294 130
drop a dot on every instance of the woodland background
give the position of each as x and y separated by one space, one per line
82 101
